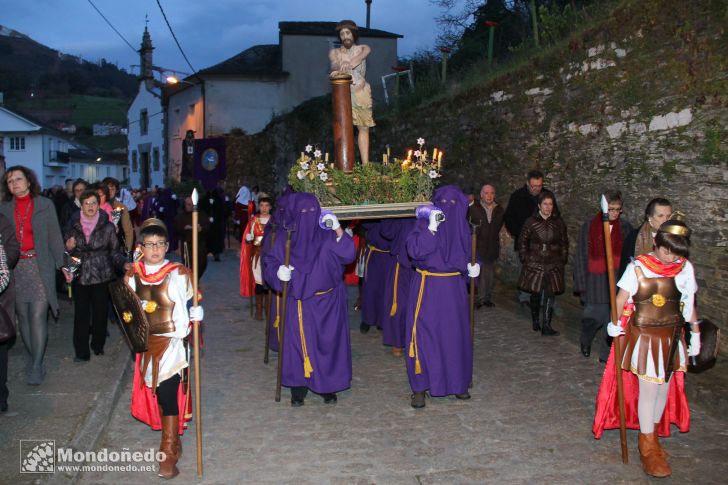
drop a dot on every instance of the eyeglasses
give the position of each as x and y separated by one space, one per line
156 245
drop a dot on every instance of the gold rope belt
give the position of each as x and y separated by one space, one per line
307 367
369 255
393 310
413 350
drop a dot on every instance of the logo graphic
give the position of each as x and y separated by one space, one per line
37 456
210 158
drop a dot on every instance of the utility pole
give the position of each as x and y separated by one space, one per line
369 12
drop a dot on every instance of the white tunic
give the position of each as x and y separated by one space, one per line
687 286
179 291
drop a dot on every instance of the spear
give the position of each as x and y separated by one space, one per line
282 321
196 333
473 248
617 340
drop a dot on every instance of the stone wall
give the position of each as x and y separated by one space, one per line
638 103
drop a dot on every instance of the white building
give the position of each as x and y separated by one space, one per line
146 144
93 167
249 89
36 146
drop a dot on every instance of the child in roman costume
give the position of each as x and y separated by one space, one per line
656 293
164 287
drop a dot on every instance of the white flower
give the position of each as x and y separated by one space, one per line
418 153
320 166
317 154
420 141
433 174
305 165
324 176
300 175
309 148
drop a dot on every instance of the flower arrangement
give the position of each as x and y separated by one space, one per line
401 180
309 173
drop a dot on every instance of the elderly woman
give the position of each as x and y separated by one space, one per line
41 253
92 238
543 247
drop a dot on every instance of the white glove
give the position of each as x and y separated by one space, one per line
473 270
249 237
334 221
694 347
434 222
196 313
212 219
284 273
349 231
614 330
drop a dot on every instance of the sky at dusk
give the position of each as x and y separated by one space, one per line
209 31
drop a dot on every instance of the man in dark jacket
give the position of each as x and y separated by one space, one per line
590 272
487 215
522 205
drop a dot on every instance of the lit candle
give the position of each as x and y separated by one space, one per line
326 157
301 155
388 155
434 154
384 158
409 154
439 160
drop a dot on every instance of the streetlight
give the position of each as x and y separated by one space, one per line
173 81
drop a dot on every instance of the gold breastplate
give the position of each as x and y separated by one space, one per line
657 302
159 307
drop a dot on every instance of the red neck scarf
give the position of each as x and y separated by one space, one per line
668 270
141 269
596 252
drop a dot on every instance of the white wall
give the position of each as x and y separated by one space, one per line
184 112
306 58
153 139
241 102
36 157
93 172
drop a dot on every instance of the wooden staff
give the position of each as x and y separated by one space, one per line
196 334
270 226
617 340
473 248
282 320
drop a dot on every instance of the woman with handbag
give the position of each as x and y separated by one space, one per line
41 253
92 238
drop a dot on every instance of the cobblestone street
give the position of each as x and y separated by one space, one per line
529 420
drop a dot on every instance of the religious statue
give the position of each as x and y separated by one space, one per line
350 59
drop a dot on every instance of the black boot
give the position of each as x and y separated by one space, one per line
298 394
548 312
536 311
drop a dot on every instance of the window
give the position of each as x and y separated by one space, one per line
17 143
155 159
143 122
134 161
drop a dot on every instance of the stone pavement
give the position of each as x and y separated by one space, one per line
529 420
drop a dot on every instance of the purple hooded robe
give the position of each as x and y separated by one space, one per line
316 346
377 264
437 341
397 281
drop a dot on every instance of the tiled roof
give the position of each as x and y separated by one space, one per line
257 60
327 28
